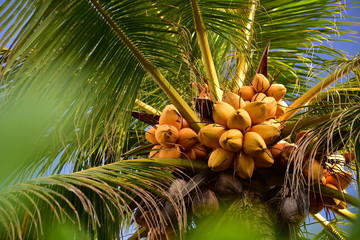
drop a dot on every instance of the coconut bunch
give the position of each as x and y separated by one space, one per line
315 170
245 127
173 137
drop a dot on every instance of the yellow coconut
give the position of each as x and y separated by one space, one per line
258 97
240 119
258 111
220 160
260 83
167 135
272 122
155 151
264 159
171 152
210 134
253 144
187 138
244 165
150 135
221 112
233 99
269 133
281 108
171 116
201 151
276 91
231 140
190 154
247 92
271 105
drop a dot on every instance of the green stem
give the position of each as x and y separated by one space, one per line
330 192
214 85
307 122
172 94
147 108
314 91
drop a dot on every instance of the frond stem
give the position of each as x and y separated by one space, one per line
327 226
314 91
351 217
214 85
173 95
243 65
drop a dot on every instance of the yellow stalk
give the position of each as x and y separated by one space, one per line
351 217
172 94
314 91
243 65
147 108
214 85
327 226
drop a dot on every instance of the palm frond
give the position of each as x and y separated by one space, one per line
99 199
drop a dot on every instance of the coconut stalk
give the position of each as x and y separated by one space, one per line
330 192
243 64
327 226
172 94
306 122
147 108
214 85
351 217
314 91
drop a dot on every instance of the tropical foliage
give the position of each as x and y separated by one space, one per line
72 71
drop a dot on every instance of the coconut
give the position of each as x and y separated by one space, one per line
221 112
258 97
290 212
276 91
338 178
210 134
167 135
187 138
220 160
264 159
271 105
205 203
260 83
240 119
171 152
176 187
233 99
276 149
155 151
244 165
228 186
253 144
201 151
231 140
258 111
171 116
150 134
190 154
281 108
269 133
247 92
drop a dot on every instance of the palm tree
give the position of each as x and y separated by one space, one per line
74 160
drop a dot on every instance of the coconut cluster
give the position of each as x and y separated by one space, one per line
174 138
245 127
315 170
